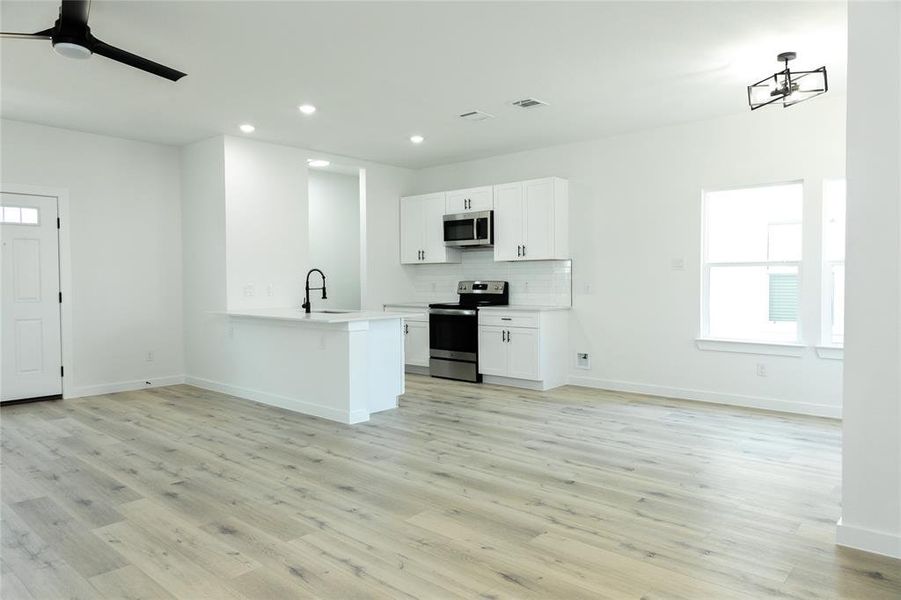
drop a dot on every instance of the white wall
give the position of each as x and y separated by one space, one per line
266 214
203 241
871 477
125 249
335 237
635 204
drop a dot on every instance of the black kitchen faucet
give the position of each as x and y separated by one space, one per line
306 298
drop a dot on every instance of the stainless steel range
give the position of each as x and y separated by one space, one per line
454 329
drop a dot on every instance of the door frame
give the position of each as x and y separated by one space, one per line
65 270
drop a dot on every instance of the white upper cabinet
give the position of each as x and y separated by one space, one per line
470 200
422 231
531 220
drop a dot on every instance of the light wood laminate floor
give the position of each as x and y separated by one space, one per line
464 491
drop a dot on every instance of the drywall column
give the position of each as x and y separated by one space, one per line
871 483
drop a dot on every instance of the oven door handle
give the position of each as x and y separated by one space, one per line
452 311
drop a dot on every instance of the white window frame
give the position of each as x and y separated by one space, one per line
777 347
827 347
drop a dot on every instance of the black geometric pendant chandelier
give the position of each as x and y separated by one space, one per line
787 86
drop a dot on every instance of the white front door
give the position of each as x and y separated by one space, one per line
29 319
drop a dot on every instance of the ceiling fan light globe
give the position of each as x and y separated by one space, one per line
70 50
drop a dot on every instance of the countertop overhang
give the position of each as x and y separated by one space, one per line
297 315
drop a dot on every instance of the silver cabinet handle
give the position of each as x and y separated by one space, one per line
506 318
406 329
508 336
523 249
519 251
503 335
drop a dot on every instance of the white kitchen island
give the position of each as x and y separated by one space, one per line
337 365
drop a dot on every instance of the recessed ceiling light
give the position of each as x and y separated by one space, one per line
307 109
417 139
247 128
318 162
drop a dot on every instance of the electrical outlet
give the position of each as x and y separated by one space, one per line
677 264
586 288
269 291
582 360
761 370
249 290
150 356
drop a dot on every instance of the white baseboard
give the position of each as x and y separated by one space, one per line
123 386
288 403
868 540
526 384
787 406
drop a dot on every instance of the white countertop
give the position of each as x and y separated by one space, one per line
509 307
523 308
298 315
422 305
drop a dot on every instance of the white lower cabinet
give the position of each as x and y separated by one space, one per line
416 343
523 348
416 336
492 350
523 354
509 352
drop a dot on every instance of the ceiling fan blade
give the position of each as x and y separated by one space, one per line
41 35
133 60
73 12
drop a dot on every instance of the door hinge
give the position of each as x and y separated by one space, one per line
61 371
57 222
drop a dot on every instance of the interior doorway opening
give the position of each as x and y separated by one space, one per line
336 207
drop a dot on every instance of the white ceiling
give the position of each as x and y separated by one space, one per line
380 72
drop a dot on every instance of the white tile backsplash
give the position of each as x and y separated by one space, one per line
539 283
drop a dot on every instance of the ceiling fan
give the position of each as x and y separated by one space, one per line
71 37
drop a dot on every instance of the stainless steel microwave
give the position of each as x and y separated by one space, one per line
469 229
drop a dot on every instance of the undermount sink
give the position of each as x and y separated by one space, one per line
333 312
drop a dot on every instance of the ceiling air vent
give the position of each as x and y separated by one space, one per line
476 115
530 103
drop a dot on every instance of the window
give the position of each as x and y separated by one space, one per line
834 262
752 260
19 215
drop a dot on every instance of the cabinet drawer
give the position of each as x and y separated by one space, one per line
512 319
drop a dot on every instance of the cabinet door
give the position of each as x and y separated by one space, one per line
411 234
456 202
538 219
480 199
470 200
492 351
523 354
508 221
416 343
434 250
